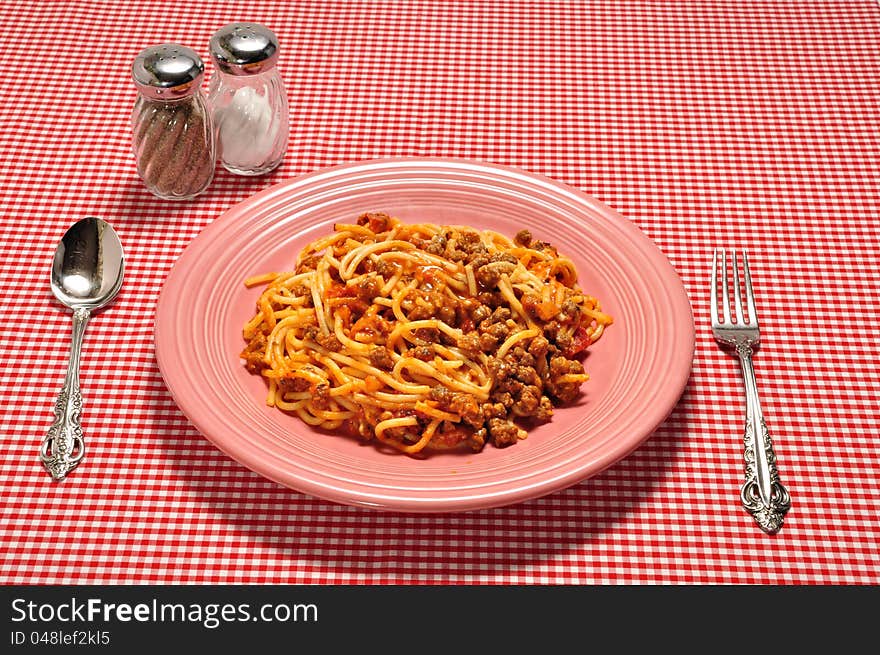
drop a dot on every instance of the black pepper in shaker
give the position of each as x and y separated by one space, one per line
172 131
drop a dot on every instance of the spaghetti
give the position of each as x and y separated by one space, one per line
423 336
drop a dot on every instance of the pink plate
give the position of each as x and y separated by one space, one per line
638 369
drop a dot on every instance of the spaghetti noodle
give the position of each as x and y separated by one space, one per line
423 336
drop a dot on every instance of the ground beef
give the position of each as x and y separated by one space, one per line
563 341
253 353
504 398
503 433
551 330
368 288
466 406
477 440
564 392
545 409
293 384
528 401
527 374
511 385
419 307
497 367
308 263
427 335
570 311
538 347
329 341
381 358
441 395
496 324
406 433
480 313
490 274
491 298
454 254
494 410
487 342
504 257
498 330
521 357
437 244
486 277
469 344
380 326
304 291
471 243
426 305
477 259
517 386
386 268
560 366
523 238
446 312
543 245
376 221
321 396
425 353
463 404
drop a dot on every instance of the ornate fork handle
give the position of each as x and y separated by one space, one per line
63 446
762 493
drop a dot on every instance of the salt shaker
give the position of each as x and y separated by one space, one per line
248 99
172 130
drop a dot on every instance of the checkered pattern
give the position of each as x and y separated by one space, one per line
746 123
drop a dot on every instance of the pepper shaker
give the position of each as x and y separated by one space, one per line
248 99
172 130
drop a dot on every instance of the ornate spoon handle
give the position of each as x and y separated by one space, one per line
762 493
63 446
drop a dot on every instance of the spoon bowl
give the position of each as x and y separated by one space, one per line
87 269
87 273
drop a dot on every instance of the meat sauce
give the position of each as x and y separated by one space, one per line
536 375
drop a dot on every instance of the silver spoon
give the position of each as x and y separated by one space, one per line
86 275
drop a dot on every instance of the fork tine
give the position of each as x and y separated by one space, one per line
750 295
713 290
737 293
725 297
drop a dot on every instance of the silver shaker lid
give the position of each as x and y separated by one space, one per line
167 71
244 48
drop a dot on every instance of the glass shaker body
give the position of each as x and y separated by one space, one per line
248 99
172 130
250 115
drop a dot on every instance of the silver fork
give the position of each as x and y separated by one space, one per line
762 493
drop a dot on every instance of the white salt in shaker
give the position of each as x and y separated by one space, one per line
248 99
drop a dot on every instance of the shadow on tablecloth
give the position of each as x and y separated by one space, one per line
624 499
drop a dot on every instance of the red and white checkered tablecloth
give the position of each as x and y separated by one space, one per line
747 123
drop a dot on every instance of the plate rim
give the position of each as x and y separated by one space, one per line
390 502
